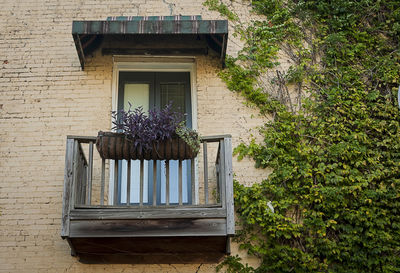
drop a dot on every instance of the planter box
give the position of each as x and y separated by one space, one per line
118 146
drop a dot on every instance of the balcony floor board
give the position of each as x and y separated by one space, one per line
147 228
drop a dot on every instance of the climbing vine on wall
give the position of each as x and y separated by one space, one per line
332 201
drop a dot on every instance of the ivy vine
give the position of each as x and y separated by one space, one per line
332 201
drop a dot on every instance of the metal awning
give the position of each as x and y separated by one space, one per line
151 35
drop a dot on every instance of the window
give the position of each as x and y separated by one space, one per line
154 89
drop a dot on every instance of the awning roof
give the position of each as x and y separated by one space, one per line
151 35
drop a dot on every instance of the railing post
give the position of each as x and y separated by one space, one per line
193 180
218 174
205 172
103 175
180 182
75 174
222 173
154 182
68 186
230 214
90 171
128 184
167 182
141 181
115 196
82 191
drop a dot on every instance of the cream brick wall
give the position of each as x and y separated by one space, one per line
45 96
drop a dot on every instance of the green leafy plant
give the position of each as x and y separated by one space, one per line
332 143
190 136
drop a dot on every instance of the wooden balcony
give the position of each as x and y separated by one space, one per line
155 212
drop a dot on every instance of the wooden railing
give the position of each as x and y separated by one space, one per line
92 182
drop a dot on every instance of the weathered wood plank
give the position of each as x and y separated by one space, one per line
81 175
82 153
154 182
193 180
230 213
180 182
167 183
222 173
128 184
141 181
218 177
83 139
90 171
217 158
83 183
68 179
147 228
205 166
216 138
115 195
77 181
87 139
103 175
75 174
218 173
164 213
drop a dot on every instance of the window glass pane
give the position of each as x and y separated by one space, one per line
137 94
175 93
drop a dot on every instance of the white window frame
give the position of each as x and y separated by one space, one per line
154 64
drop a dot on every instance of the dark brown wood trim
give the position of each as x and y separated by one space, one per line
155 51
151 250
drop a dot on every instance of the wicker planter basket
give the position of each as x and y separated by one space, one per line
117 146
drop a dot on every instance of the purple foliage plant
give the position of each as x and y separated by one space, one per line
144 129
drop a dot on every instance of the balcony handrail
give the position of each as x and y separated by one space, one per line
87 139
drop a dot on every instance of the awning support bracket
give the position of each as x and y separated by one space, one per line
79 48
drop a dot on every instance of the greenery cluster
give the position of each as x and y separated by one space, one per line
332 201
190 136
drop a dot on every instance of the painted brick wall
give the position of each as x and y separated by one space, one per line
45 96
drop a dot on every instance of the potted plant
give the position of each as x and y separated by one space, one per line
160 135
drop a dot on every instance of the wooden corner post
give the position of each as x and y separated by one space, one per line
68 177
230 212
